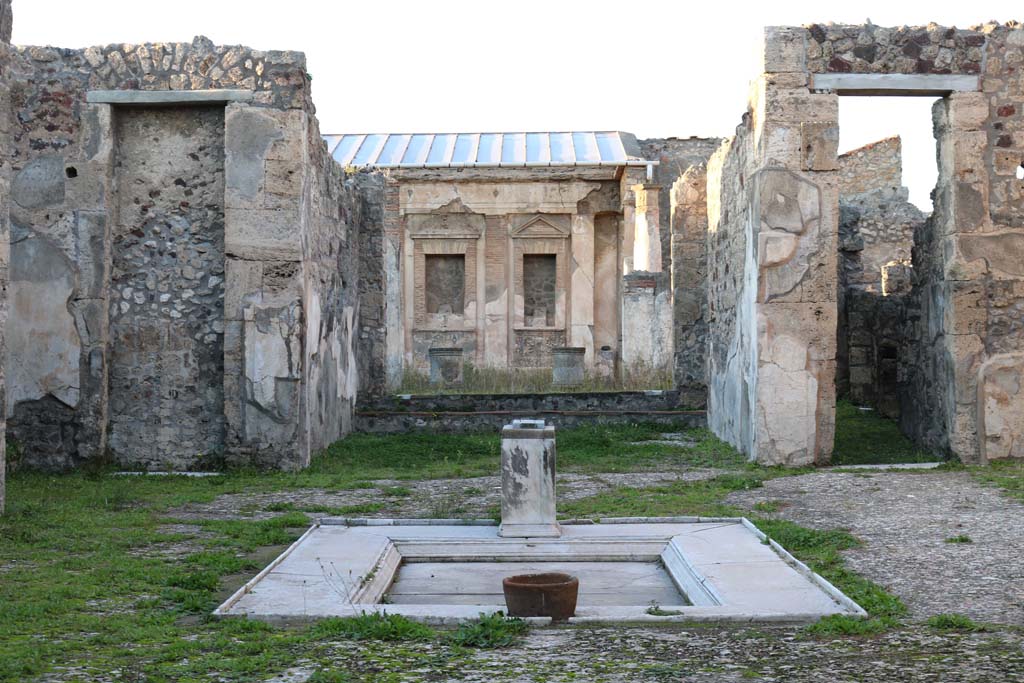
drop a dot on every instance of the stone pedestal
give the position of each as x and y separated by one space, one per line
567 366
528 480
445 367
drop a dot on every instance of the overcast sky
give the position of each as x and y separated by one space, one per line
655 68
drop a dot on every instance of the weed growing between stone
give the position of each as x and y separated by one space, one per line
490 631
954 622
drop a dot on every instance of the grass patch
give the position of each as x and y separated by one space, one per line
962 538
386 627
864 437
954 622
704 498
592 448
1006 474
489 631
820 550
845 625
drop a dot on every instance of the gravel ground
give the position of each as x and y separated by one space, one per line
904 520
629 654
438 498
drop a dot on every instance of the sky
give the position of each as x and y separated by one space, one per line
655 69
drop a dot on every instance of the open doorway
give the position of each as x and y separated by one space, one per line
888 171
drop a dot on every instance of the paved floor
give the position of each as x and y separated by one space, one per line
904 520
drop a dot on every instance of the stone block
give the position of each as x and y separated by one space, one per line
784 49
967 110
1001 407
263 234
820 145
243 285
528 480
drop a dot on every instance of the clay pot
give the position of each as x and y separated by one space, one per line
541 595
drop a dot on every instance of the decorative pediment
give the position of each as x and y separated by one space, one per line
543 226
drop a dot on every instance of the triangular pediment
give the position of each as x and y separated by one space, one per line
543 226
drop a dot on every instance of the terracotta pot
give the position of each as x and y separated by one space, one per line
541 595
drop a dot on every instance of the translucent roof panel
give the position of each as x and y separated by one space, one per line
577 148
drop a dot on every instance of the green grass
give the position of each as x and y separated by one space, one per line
96 571
954 622
489 632
386 627
704 498
1006 474
962 538
864 437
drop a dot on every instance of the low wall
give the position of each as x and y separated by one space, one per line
477 412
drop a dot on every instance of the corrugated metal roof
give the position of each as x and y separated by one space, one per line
443 150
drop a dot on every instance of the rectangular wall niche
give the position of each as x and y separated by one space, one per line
445 283
539 271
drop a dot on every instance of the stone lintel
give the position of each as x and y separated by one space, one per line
895 85
166 97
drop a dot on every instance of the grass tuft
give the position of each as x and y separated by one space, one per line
373 626
954 622
962 538
490 631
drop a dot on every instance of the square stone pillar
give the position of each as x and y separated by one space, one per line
647 229
528 480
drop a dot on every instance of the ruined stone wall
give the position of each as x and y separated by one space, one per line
870 49
6 21
731 278
963 380
488 412
689 226
772 207
872 168
166 311
876 233
184 259
368 221
675 156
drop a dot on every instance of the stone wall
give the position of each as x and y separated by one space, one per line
872 168
876 233
489 412
674 156
731 278
689 226
966 371
870 49
185 258
166 311
772 214
6 20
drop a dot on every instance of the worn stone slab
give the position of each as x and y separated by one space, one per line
337 570
159 97
895 85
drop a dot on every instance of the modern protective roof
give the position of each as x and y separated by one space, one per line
448 150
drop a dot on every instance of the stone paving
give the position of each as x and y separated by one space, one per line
904 520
